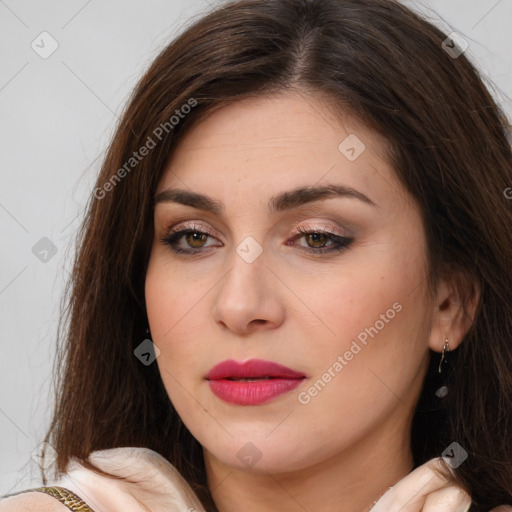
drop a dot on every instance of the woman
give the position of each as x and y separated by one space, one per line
293 289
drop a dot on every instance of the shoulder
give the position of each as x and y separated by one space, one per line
31 501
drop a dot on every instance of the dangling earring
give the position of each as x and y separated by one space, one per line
446 348
443 390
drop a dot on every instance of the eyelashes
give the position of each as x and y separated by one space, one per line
195 240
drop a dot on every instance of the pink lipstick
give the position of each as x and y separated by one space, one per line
252 382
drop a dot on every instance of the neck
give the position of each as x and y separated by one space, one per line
349 481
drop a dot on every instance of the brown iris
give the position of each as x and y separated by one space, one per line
317 238
196 240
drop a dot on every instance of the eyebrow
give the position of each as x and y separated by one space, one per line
281 202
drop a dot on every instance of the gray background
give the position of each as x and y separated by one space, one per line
56 117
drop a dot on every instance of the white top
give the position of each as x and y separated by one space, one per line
153 484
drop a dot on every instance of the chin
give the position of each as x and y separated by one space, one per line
255 453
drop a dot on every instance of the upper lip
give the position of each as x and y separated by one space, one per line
252 368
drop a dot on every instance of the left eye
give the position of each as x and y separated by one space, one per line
316 241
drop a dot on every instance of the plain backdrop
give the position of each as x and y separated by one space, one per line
56 116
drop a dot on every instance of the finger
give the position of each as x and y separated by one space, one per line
409 494
447 499
502 508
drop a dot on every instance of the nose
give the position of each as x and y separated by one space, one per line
248 298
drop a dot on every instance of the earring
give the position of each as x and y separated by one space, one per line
446 348
443 390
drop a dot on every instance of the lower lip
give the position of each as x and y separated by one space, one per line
251 393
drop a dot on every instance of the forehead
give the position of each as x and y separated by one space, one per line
279 142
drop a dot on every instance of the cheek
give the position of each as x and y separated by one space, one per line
170 298
358 299
371 368
175 306
376 320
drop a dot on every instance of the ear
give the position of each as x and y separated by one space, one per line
450 320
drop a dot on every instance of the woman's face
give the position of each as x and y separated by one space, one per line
329 284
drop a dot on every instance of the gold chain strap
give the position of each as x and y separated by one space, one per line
65 496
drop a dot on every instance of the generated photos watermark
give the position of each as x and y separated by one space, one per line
158 133
304 397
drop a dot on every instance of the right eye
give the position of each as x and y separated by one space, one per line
193 238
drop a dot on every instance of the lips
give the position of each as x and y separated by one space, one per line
251 369
252 382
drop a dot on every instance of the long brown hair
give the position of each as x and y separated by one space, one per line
380 62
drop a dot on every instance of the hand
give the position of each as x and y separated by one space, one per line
423 490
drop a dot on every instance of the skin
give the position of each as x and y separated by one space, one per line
345 447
